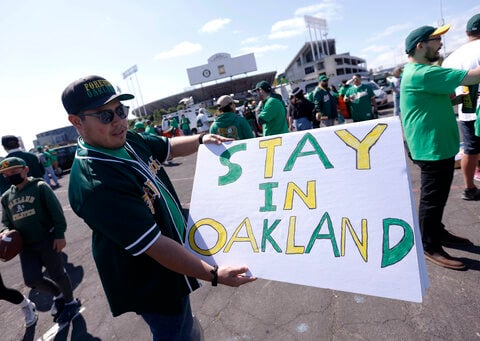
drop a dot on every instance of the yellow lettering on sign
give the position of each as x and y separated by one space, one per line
270 145
249 238
362 147
361 246
291 247
309 198
218 227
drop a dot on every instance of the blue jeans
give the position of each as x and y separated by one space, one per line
396 105
302 123
173 327
49 171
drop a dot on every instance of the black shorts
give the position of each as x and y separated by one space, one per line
471 142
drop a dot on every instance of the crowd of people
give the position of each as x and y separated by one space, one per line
139 252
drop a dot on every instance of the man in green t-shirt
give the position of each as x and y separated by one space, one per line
47 160
119 187
361 99
431 133
185 125
273 115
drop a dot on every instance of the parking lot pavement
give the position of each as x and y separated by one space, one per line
268 310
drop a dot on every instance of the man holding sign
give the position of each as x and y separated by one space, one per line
432 135
119 187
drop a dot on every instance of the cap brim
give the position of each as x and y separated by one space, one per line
11 167
440 30
99 103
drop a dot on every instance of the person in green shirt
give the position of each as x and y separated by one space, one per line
361 99
149 129
47 160
30 207
325 104
228 123
185 125
432 136
273 114
173 124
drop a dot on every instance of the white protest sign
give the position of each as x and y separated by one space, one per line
330 207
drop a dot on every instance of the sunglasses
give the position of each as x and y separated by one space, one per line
106 116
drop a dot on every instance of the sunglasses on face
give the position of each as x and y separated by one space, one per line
106 116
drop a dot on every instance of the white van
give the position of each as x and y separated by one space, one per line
189 113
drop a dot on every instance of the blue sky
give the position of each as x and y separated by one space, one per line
44 45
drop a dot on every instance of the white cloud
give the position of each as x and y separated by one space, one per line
251 40
328 9
182 49
391 30
214 25
376 49
261 50
287 28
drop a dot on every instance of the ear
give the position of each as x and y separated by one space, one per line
76 121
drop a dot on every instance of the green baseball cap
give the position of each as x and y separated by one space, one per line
322 78
473 25
139 124
422 34
264 85
11 162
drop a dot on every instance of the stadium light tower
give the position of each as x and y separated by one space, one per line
319 28
132 71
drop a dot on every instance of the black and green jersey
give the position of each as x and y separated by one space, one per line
127 199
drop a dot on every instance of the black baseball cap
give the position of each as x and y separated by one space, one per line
10 141
88 93
264 85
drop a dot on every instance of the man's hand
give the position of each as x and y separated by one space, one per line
234 277
59 244
215 139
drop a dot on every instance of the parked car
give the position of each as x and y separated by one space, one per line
65 156
384 83
381 97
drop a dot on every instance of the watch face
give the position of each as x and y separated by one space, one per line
206 73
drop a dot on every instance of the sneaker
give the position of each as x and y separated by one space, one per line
471 194
476 177
57 307
442 258
30 312
69 311
449 239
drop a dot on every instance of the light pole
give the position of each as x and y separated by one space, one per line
441 22
127 74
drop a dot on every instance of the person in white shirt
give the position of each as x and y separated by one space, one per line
467 57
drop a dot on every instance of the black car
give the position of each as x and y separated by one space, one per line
65 156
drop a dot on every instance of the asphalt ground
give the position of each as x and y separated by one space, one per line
268 310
